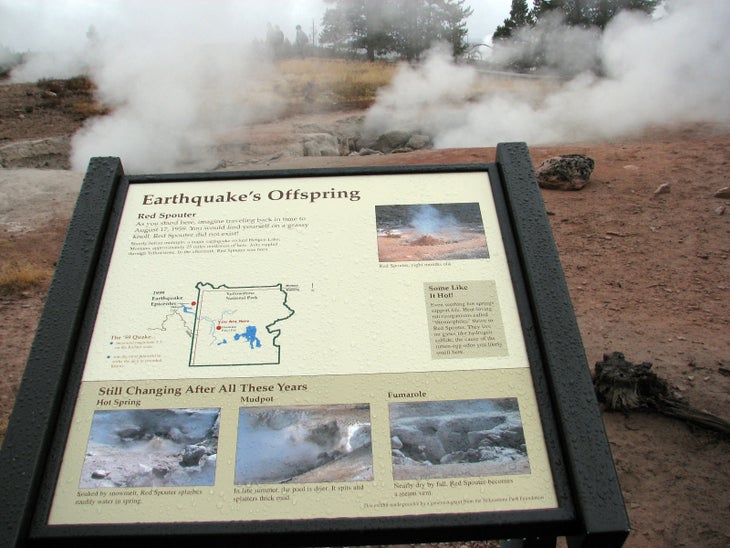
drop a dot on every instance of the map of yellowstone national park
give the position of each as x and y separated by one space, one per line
237 325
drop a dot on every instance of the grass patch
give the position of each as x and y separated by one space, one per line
4 421
75 96
87 109
332 84
17 278
79 85
320 84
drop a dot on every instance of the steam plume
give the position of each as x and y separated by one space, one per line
175 74
427 219
659 72
565 50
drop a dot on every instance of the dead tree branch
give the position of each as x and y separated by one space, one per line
623 386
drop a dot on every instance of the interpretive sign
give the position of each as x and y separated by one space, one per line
297 355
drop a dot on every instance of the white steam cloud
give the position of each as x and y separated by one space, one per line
659 72
175 74
564 50
426 219
179 74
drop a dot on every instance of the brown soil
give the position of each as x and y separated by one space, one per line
429 240
413 246
649 275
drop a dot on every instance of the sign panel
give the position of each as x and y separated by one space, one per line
302 348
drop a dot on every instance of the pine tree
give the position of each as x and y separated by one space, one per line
587 13
455 29
519 16
359 24
405 27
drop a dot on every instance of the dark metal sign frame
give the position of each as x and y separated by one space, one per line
590 510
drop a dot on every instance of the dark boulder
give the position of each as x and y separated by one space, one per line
567 172
390 141
191 455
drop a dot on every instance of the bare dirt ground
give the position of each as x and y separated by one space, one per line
649 275
411 245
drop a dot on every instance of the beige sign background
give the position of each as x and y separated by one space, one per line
268 309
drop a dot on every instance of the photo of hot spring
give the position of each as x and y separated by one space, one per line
430 232
151 448
304 444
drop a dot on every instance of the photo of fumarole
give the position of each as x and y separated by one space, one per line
151 447
304 444
430 232
459 438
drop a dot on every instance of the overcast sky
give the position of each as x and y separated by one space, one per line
58 24
486 17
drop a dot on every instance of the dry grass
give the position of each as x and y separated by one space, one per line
74 95
80 85
87 109
531 90
20 277
331 84
315 84
27 259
